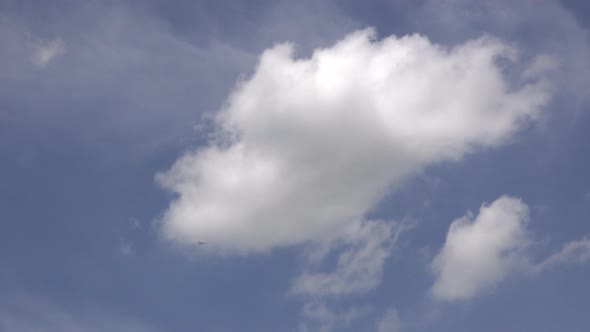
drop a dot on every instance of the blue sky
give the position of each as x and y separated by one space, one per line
379 166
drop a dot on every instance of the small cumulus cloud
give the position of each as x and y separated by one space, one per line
45 52
479 251
482 250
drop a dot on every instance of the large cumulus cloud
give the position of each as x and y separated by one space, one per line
306 147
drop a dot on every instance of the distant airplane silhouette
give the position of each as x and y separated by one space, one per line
199 242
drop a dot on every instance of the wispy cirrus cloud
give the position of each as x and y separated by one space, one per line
46 52
361 253
318 316
390 321
574 252
361 256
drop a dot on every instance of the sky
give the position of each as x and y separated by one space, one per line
376 166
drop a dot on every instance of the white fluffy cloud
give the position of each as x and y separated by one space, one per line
479 251
305 147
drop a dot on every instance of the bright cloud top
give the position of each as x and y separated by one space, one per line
307 146
480 251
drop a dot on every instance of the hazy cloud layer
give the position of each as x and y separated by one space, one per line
320 317
390 322
32 314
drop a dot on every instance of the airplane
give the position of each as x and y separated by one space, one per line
199 242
